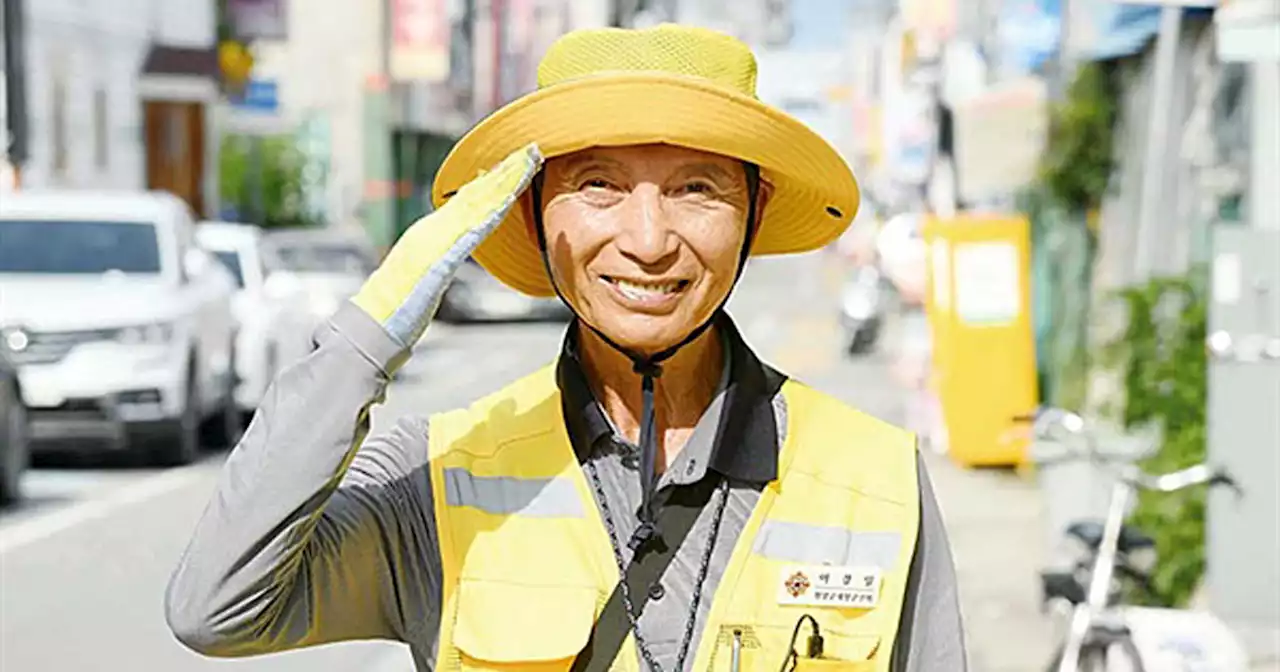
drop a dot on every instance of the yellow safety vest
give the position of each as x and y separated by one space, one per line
528 565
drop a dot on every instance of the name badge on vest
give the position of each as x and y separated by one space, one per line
829 586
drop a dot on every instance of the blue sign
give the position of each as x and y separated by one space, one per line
260 95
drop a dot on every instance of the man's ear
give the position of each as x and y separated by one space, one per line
763 194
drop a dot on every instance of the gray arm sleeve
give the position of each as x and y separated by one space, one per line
315 534
931 633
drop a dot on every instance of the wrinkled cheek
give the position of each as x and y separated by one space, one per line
572 281
560 259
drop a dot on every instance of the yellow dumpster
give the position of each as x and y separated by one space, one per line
979 307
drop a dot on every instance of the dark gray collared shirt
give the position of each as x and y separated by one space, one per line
317 533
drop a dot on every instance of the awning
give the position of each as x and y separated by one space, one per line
1107 29
187 74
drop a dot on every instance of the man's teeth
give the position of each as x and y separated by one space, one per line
638 291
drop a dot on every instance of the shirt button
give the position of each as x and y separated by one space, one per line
656 591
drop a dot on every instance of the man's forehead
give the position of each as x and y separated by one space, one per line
669 157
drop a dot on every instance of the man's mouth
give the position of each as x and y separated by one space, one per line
645 290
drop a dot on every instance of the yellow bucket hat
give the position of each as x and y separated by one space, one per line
670 84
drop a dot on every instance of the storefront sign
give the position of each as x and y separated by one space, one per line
258 19
419 40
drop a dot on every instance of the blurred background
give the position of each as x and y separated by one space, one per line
1066 204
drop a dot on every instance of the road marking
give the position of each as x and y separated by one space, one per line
27 532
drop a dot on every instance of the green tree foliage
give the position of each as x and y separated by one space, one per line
264 184
1077 162
1165 366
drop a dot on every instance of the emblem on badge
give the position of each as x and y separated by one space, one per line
797 584
848 587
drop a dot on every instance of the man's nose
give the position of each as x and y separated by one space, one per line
645 234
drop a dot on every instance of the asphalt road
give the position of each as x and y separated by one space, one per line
84 561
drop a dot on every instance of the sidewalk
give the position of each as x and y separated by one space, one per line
993 519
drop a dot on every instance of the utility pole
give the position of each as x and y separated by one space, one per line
377 206
1153 165
13 99
6 170
1063 67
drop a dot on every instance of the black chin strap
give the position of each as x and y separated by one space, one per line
649 367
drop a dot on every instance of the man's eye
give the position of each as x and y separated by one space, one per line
595 183
697 188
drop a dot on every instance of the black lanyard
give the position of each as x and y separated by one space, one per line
620 614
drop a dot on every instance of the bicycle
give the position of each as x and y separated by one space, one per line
1104 633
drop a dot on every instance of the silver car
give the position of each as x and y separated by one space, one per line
14 432
324 267
477 296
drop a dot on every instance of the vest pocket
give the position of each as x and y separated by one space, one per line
764 647
510 626
824 665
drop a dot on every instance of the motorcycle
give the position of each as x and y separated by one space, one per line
862 309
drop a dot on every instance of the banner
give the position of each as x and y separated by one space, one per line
419 40
998 138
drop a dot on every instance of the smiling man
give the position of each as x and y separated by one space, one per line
657 498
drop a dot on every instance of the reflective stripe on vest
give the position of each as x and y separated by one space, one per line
528 566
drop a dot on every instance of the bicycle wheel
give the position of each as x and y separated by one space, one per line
1110 653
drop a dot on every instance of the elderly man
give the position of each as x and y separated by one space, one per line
657 498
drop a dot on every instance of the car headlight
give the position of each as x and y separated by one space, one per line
16 340
157 333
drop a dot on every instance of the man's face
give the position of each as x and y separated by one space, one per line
644 240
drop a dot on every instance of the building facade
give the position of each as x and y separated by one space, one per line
118 95
386 88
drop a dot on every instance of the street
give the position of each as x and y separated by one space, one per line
83 563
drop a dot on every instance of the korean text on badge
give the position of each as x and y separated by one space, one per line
829 586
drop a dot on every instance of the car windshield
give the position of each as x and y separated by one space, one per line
85 247
321 258
231 260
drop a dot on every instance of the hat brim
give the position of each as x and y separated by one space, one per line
815 195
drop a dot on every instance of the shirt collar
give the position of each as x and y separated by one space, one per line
746 440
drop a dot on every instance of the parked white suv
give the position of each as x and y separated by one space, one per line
268 315
120 324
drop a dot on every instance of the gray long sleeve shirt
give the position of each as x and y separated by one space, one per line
317 533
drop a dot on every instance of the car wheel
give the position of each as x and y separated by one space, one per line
17 451
178 441
226 428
